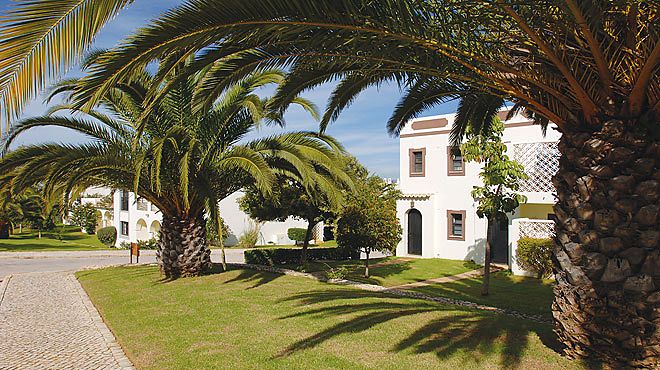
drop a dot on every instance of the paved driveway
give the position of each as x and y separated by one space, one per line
25 262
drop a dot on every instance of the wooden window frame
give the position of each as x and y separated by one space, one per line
450 163
450 235
411 162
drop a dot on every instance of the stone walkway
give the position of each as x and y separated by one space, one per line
48 322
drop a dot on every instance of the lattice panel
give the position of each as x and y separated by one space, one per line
536 229
541 162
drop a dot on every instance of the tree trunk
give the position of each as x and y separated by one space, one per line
183 249
366 264
607 260
485 285
308 235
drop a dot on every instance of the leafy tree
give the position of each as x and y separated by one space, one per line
367 221
314 203
85 216
501 178
184 154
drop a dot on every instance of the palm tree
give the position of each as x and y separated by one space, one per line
589 67
181 159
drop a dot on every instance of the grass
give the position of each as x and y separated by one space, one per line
244 319
72 240
519 293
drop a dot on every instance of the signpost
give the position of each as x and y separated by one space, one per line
135 251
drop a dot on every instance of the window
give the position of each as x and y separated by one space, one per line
456 225
124 228
417 159
124 200
455 163
142 204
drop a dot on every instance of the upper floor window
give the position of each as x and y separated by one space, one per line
455 163
142 204
417 162
456 225
124 200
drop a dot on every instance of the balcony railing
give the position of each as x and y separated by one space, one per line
541 162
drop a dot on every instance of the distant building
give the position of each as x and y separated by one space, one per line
437 211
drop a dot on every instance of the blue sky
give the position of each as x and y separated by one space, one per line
360 128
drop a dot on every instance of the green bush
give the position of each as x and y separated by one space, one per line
297 234
148 244
107 235
284 256
534 255
250 236
85 216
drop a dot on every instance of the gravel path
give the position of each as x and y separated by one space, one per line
48 322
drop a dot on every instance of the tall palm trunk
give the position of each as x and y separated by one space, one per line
607 298
182 249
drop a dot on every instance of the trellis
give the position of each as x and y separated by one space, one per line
536 229
541 162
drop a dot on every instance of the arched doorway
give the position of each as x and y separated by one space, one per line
141 232
154 230
414 232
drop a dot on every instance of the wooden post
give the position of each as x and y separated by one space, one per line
135 251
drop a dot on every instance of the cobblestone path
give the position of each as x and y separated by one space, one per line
48 322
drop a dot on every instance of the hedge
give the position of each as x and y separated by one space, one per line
282 256
534 255
107 235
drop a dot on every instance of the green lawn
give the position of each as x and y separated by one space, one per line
244 319
72 240
526 295
329 243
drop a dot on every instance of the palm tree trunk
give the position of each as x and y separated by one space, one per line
182 249
308 235
607 260
485 285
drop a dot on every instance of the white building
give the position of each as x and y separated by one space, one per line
437 211
137 219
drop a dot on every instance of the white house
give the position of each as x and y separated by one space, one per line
137 219
437 211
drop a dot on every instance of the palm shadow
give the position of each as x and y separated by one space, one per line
257 278
455 329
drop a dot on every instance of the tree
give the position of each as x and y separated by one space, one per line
367 222
290 198
501 178
182 155
589 67
85 216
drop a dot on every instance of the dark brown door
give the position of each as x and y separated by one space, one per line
414 232
500 243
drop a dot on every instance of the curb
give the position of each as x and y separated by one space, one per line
117 352
398 292
3 287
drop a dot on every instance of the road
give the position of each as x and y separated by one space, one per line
12 263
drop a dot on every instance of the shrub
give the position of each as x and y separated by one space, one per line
85 216
124 245
148 244
297 234
534 255
107 235
337 272
250 236
283 256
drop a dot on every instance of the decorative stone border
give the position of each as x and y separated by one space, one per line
3 287
397 292
108 337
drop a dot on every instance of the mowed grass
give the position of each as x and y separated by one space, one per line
244 319
527 295
72 240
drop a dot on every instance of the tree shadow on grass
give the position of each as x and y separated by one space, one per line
455 329
258 278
